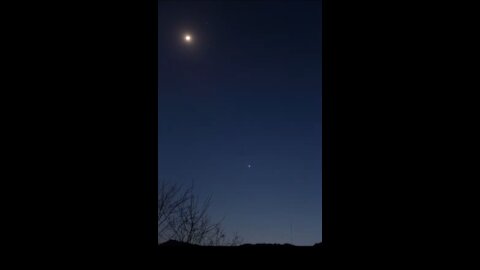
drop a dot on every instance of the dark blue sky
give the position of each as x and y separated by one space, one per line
246 90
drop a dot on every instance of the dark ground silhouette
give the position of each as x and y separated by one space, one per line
173 243
244 255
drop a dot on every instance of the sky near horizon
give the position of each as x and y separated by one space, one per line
240 115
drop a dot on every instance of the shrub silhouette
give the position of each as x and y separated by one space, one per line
181 217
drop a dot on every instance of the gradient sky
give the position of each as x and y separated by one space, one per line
246 90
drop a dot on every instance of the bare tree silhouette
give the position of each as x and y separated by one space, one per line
183 218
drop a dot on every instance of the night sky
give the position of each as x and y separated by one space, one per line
240 113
